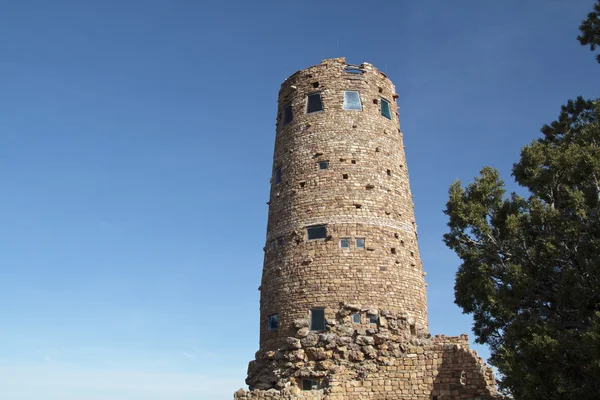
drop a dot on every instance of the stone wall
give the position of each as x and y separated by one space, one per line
386 360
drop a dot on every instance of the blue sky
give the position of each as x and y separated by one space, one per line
135 154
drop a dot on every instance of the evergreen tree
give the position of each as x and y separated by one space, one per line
590 29
530 271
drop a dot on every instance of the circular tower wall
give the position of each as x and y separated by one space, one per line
344 170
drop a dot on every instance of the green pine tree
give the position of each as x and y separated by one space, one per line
530 271
590 29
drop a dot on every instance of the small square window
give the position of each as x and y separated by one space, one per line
314 103
345 243
316 232
356 318
310 384
373 319
323 164
360 243
278 176
352 100
288 114
317 319
385 109
273 322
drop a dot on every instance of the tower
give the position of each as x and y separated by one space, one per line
343 297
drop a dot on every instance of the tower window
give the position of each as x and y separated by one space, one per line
345 243
278 176
273 322
356 318
317 319
352 100
323 164
373 319
314 103
360 243
288 114
316 232
310 384
385 109
352 69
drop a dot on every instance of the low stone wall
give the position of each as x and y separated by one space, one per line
392 359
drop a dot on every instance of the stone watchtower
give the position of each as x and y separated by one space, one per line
343 302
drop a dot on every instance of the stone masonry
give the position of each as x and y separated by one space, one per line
342 173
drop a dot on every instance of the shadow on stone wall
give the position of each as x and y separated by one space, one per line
463 375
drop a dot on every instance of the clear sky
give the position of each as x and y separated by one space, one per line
136 143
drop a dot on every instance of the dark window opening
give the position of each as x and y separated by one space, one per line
345 176
317 319
373 319
316 232
351 69
385 109
375 101
393 250
356 318
288 115
310 384
352 100
323 164
345 243
273 322
302 184
360 243
278 176
389 172
353 161
314 103
280 241
315 84
413 330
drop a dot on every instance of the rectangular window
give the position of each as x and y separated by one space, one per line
360 243
316 232
373 319
352 100
314 103
385 109
288 115
317 319
345 243
356 318
278 176
309 384
273 322
323 164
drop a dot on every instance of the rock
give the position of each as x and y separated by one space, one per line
318 353
303 332
365 340
311 340
293 343
356 356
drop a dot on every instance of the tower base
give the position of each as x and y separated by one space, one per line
384 360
